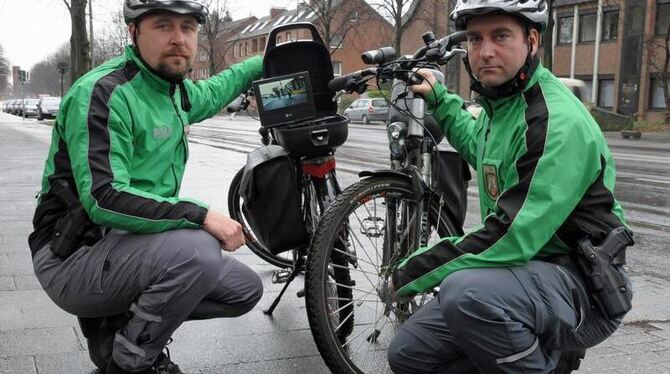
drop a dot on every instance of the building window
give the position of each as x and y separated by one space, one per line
262 44
246 48
278 39
610 25
336 41
288 36
565 30
254 46
662 18
606 93
587 28
589 89
656 96
337 68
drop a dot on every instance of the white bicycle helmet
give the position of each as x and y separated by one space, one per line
132 9
534 11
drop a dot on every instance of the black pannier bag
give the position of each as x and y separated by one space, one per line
452 174
272 199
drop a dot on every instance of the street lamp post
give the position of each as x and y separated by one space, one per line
62 68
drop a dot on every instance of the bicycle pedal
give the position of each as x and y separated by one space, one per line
300 293
281 276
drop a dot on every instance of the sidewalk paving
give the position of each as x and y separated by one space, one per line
36 337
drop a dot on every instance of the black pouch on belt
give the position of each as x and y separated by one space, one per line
602 267
70 229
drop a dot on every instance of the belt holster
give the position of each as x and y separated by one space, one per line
602 267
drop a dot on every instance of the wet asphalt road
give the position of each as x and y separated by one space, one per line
643 178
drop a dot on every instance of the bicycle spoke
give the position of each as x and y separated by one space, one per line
355 269
350 287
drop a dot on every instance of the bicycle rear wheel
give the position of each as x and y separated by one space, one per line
369 226
282 260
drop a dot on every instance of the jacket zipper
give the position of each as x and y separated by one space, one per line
181 142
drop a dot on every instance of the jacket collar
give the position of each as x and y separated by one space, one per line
489 104
151 76
157 81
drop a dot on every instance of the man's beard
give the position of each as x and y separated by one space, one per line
170 73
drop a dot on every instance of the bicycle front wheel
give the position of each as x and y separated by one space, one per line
371 225
282 260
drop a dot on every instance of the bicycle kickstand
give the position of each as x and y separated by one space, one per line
297 266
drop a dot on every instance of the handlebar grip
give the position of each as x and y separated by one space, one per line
236 104
340 83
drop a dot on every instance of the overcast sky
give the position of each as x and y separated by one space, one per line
32 29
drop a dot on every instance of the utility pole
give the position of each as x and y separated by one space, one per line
90 29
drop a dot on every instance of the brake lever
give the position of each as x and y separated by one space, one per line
338 94
450 54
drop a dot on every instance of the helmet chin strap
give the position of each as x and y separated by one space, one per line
509 88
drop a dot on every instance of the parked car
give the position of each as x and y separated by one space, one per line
48 107
367 110
30 108
577 87
15 107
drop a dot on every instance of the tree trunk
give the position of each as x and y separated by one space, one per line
398 27
80 56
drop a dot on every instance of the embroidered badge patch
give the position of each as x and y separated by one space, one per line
491 181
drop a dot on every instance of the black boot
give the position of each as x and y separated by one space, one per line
99 334
569 361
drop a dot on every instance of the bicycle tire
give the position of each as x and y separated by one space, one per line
337 353
283 260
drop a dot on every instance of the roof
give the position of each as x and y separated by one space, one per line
265 24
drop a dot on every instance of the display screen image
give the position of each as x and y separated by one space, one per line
283 93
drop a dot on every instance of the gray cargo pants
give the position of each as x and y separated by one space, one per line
163 279
500 320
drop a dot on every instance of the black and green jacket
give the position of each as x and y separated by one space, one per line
120 138
545 177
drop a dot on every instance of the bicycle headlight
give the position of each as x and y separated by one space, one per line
396 130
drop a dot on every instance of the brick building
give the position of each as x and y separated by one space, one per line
351 32
629 35
222 47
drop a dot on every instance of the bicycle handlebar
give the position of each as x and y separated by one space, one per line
435 51
236 105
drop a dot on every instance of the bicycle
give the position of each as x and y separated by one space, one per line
380 219
312 149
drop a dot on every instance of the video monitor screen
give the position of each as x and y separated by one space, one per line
283 93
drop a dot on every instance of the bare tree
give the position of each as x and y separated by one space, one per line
211 32
334 19
44 77
113 39
80 55
5 71
394 9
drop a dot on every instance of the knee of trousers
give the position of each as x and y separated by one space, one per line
400 354
467 296
253 292
196 251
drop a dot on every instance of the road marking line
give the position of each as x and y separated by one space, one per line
635 157
652 180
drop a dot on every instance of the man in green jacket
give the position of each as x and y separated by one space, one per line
511 298
119 145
